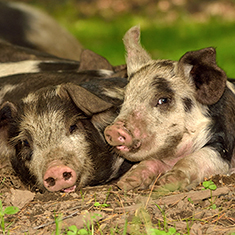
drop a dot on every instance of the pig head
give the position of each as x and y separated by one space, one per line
177 118
56 133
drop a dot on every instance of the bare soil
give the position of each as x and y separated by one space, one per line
108 210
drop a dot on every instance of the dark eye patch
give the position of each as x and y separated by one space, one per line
164 92
162 86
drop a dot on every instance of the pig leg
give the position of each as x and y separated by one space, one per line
143 174
191 170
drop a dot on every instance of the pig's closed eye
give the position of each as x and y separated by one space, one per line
72 129
26 150
162 101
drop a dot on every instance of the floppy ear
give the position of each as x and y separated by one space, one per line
209 80
7 112
136 56
86 101
92 61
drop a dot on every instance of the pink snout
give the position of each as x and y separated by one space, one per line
60 178
118 135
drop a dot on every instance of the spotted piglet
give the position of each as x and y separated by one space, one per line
177 119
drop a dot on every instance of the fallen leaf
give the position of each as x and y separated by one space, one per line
20 198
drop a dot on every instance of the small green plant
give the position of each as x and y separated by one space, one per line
190 200
73 230
58 221
171 231
164 217
166 230
82 195
97 204
103 205
211 186
88 228
3 180
10 210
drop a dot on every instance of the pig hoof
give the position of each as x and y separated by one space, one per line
130 183
137 179
174 180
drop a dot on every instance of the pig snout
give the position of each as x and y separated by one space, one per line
60 178
118 135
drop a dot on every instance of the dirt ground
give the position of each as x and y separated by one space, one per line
108 210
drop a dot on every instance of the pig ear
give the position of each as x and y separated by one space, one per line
84 100
208 78
8 113
136 56
92 61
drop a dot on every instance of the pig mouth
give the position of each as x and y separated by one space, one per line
68 190
133 148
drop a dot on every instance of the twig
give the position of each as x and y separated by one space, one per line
151 191
52 222
218 218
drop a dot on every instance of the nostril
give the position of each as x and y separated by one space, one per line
67 175
108 137
121 138
50 181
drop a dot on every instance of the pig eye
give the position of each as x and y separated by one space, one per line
162 101
73 128
25 143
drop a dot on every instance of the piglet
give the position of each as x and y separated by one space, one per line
177 119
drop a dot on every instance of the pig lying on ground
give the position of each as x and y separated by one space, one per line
52 123
27 26
15 59
178 119
55 133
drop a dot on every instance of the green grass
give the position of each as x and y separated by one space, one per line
10 210
162 42
162 39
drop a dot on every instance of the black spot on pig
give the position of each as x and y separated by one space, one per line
58 66
222 127
188 104
163 86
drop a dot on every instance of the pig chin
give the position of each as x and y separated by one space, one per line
135 153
